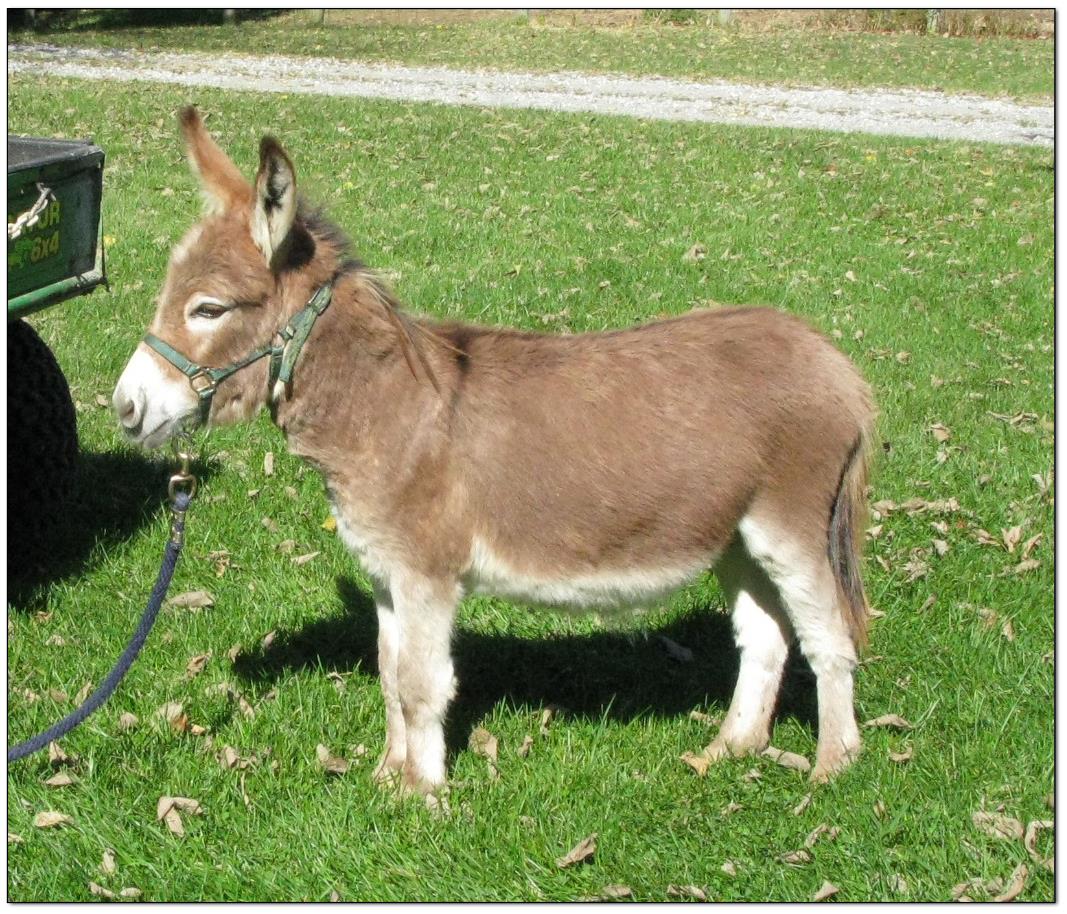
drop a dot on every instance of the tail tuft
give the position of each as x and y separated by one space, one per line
845 542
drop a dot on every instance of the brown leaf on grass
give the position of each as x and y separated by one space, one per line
701 718
898 884
787 759
62 779
304 559
107 863
168 810
56 640
233 653
941 547
268 640
130 892
192 599
268 463
879 809
51 819
13 838
828 889
57 758
753 774
1008 630
286 546
730 808
196 665
1026 565
525 747
796 858
581 852
128 721
83 693
802 805
820 831
1011 537
985 538
729 867
1029 545
547 716
939 432
699 763
610 893
695 254
928 602
1016 885
483 743
1030 843
335 896
173 714
270 525
889 720
99 890
901 757
687 891
331 764
999 826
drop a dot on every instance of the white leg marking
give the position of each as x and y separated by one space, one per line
392 760
810 597
762 633
424 610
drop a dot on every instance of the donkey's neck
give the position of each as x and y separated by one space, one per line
355 409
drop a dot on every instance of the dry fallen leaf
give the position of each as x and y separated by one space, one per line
524 749
192 599
13 838
332 764
1029 545
985 538
898 884
998 826
270 525
130 892
701 718
753 774
687 891
787 759
1016 885
819 831
56 756
901 757
286 546
62 779
168 810
695 254
1026 565
50 819
196 665
796 858
889 720
483 743
802 805
1011 537
730 808
1008 630
173 714
96 889
107 864
610 893
729 867
304 559
828 889
83 693
699 763
941 433
547 716
268 463
1030 843
581 852
268 639
940 547
128 721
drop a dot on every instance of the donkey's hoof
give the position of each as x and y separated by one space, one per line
725 747
830 765
387 773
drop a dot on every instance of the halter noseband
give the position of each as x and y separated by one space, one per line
283 354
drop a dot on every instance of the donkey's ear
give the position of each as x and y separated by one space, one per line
223 185
275 204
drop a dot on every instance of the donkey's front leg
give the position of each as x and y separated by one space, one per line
424 610
392 760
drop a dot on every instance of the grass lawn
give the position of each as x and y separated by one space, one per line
932 263
991 66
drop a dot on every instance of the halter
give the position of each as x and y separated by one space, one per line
283 354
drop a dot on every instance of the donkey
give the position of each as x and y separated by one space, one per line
595 471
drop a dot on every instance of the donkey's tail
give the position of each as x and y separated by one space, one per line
845 543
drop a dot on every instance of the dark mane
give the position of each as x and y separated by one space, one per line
322 228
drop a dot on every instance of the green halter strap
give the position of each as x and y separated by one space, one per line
283 355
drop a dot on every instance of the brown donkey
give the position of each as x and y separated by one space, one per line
594 471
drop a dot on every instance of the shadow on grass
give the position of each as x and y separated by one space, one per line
82 20
115 493
613 675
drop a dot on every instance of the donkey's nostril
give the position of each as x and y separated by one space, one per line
126 410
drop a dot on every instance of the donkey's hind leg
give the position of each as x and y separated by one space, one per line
762 633
800 569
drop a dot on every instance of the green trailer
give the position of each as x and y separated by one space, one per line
55 252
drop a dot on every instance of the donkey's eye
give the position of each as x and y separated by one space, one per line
209 310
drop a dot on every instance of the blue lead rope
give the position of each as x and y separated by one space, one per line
155 601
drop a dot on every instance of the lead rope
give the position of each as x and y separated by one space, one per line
180 490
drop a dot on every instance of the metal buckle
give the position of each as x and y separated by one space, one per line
183 479
209 384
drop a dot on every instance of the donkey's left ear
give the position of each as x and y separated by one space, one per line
275 202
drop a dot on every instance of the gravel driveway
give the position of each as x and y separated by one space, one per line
891 112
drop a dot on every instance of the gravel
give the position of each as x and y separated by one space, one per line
916 113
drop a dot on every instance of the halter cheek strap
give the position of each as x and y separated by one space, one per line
283 355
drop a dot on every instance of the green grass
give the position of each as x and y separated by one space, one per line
992 66
931 261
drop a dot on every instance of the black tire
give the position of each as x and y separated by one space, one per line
42 446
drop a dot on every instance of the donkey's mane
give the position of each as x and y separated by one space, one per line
409 331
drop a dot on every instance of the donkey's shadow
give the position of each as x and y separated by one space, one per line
606 674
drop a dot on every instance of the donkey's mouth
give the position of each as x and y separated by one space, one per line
160 434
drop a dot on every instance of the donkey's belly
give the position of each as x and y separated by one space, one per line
603 589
